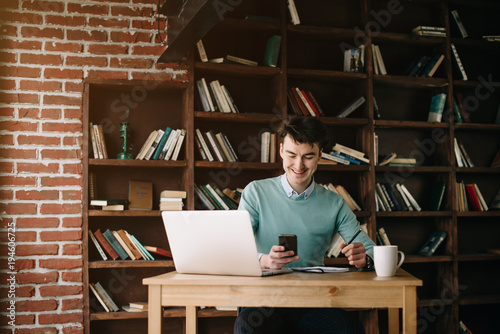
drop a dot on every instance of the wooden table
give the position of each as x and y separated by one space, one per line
343 290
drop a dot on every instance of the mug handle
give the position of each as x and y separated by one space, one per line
402 259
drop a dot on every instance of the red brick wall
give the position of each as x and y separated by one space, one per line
47 49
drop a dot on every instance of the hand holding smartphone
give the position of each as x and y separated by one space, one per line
289 241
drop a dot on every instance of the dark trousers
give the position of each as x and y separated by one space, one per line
265 320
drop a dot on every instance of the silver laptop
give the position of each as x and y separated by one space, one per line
214 242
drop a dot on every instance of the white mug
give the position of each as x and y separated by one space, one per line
386 260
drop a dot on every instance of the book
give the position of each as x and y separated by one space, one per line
114 207
201 51
154 144
294 15
173 194
169 142
140 195
140 247
219 97
334 249
240 61
230 100
124 246
353 205
459 24
99 297
107 298
412 200
383 236
127 308
264 146
139 305
484 206
147 144
496 161
224 147
158 251
458 62
462 329
130 244
97 245
495 203
171 206
232 195
214 143
108 201
178 145
472 198
102 141
433 65
106 245
352 60
381 66
351 107
334 158
272 51
204 202
388 158
160 147
432 243
436 196
115 244
93 141
204 145
437 107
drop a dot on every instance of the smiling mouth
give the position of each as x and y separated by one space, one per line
298 173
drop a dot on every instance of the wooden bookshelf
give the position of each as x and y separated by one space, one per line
311 57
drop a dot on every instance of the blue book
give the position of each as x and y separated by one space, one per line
345 157
115 244
437 107
417 66
142 248
161 144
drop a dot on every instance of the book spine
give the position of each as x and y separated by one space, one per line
203 198
99 298
114 243
178 146
212 140
97 245
175 136
204 145
106 245
459 62
106 296
459 23
351 107
162 143
201 51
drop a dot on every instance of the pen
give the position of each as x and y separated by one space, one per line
354 236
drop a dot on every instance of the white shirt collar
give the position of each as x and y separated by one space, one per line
290 192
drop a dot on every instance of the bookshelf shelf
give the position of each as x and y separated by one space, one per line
235 70
427 259
413 169
478 170
480 300
326 75
137 163
125 213
387 37
477 127
410 82
396 214
131 264
380 124
256 118
478 213
321 32
239 165
478 257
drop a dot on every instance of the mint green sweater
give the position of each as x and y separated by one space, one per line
314 219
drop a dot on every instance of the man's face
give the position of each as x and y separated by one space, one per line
299 162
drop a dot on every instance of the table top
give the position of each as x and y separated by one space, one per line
351 278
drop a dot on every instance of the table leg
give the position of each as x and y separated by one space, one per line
393 320
191 320
154 309
410 310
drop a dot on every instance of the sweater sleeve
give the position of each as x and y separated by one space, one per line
249 202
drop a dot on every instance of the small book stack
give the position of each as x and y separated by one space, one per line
98 143
382 238
162 145
424 66
303 102
340 190
103 297
470 198
118 245
136 307
392 159
378 61
389 197
171 200
210 197
345 155
337 241
429 31
215 97
214 147
117 204
268 147
461 156
354 59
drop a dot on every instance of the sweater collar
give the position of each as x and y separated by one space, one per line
290 192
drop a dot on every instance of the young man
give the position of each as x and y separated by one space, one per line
294 204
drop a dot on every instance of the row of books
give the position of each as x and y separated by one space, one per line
345 155
103 297
214 147
461 156
210 197
395 197
162 145
268 147
429 31
215 97
378 61
338 189
98 142
303 102
424 66
470 198
123 245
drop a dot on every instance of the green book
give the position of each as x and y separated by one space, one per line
456 111
436 197
272 51
115 244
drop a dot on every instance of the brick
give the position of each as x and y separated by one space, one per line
20 17
86 61
60 181
149 24
72 249
104 49
72 304
19 98
17 153
37 249
43 6
6 194
21 291
7 139
96 74
56 73
72 141
73 113
8 30
17 208
6 167
7 84
6 112
61 154
62 100
36 305
73 87
41 86
152 76
108 22
72 235
37 195
64 20
37 278
73 330
131 11
64 47
61 264
21 44
33 32
37 222
8 57
60 208
38 330
24 319
38 140
72 222
60 290
72 276
32 113
71 195
129 37
156 50
10 4
50 114
26 167
22 236
25 264
87 9
60 318
38 59
86 35
131 63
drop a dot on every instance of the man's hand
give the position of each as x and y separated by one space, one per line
355 253
277 258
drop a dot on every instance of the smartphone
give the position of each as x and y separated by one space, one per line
289 241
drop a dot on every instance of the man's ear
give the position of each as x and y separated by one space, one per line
281 150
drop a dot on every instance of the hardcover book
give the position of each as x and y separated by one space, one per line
140 195
432 244
437 107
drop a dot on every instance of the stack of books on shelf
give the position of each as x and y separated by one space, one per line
424 66
470 197
210 197
461 156
338 189
436 108
429 31
303 102
337 241
378 61
268 147
382 238
162 145
136 307
354 59
214 147
115 204
395 197
119 245
392 159
215 97
345 155
98 143
103 297
171 200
